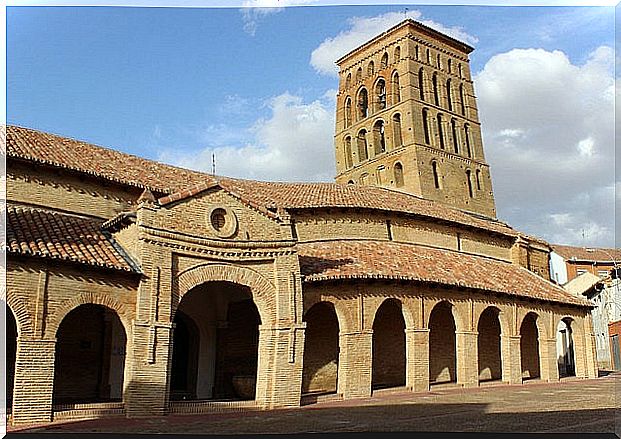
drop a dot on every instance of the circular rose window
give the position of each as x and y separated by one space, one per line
222 221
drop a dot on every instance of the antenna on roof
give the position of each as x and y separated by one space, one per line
213 163
405 12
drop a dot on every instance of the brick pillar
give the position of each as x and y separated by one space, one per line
591 356
279 373
148 389
511 359
467 358
548 359
417 359
34 381
355 363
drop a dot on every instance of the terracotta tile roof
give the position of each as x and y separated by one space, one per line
274 196
331 260
48 234
50 149
588 254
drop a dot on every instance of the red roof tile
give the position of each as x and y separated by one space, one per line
53 150
331 260
590 254
48 234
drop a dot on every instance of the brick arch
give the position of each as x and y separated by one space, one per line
262 290
345 322
460 323
505 327
578 337
541 326
22 316
408 317
121 310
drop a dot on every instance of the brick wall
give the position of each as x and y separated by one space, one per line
321 349
11 350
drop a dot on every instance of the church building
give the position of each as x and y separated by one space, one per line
136 288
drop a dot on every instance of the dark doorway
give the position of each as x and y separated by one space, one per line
388 346
321 349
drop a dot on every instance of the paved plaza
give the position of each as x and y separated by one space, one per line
567 406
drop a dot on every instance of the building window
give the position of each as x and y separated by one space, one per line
467 135
384 62
428 57
439 61
362 146
580 271
440 131
469 181
479 182
449 65
371 69
421 84
426 125
348 81
436 174
380 95
416 52
379 139
602 273
363 103
359 74
461 99
398 169
397 53
396 91
459 70
434 83
348 112
454 134
449 98
348 160
396 131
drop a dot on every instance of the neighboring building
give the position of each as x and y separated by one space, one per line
614 331
143 289
568 262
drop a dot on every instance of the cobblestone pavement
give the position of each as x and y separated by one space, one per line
566 406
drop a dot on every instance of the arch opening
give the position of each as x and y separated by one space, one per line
363 104
11 355
321 350
489 347
379 137
565 348
90 356
388 364
442 345
529 347
380 95
362 146
396 131
215 343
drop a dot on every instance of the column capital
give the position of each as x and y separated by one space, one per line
354 333
467 332
416 330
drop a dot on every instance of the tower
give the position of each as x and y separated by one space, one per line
407 119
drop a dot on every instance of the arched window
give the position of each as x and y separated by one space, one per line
362 146
384 62
398 169
467 136
479 182
364 178
397 53
454 134
449 97
428 57
359 74
380 95
350 182
396 90
371 69
396 130
469 181
348 80
348 160
347 112
459 70
379 139
440 131
462 101
363 103
421 84
439 60
449 65
436 174
426 125
434 83
417 53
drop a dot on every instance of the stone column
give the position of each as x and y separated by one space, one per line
467 358
417 359
279 372
511 359
34 381
148 389
355 364
548 360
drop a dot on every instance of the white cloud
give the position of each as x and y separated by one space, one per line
294 143
254 11
363 29
549 137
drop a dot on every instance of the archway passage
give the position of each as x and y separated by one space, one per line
529 347
565 349
11 355
215 344
490 362
442 345
388 346
90 356
321 349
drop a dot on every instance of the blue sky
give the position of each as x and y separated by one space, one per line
176 84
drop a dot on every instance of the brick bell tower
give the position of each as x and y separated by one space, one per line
407 119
